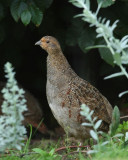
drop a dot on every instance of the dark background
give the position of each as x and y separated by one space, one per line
17 46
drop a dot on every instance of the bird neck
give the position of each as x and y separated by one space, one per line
57 62
59 72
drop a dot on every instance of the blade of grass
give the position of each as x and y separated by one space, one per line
28 141
38 126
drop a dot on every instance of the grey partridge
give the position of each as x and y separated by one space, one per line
34 113
66 92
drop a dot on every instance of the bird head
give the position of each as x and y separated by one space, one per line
49 44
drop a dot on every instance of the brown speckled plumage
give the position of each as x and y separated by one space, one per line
66 91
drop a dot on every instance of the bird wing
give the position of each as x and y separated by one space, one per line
81 92
90 96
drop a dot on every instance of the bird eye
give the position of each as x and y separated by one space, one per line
47 41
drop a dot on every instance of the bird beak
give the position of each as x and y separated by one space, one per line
38 43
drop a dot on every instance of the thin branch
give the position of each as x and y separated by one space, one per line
124 117
62 148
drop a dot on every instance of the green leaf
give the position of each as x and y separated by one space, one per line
125 125
122 128
115 121
52 152
28 141
73 32
22 7
37 15
26 17
105 3
47 3
117 58
38 150
106 55
14 9
44 154
87 38
1 11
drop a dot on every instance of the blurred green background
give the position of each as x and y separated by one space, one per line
23 22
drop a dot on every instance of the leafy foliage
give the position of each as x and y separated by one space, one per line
104 29
12 131
87 38
112 137
26 17
87 113
115 121
73 34
58 22
117 48
46 155
27 11
123 128
106 55
36 14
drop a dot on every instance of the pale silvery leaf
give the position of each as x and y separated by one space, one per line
94 119
121 94
21 91
119 135
91 113
92 151
94 135
11 130
4 90
97 125
104 143
85 110
124 59
14 88
7 96
86 124
82 113
114 75
126 136
100 132
75 3
107 23
88 4
105 30
99 30
18 146
84 107
124 38
114 25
